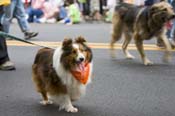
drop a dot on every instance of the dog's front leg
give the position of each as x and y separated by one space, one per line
139 45
65 103
127 40
167 55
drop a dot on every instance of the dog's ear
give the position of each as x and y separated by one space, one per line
67 43
80 39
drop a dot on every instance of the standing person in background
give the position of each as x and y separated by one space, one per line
84 6
16 9
5 63
101 6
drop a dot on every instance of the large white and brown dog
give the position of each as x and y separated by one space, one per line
62 75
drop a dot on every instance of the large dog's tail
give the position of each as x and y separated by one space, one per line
122 8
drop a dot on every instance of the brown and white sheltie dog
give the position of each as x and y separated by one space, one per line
62 75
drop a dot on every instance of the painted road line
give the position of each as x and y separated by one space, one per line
92 45
59 43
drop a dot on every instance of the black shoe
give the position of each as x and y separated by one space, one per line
7 66
29 35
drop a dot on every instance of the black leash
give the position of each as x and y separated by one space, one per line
22 40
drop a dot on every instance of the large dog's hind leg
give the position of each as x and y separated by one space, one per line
116 33
112 49
139 45
127 40
40 87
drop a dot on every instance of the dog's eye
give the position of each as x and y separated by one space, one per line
74 51
83 50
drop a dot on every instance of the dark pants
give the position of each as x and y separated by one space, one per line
3 46
32 13
86 8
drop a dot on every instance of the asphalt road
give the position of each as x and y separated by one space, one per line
120 87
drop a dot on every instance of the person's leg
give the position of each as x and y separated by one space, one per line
33 14
87 8
8 15
5 63
29 11
38 13
3 49
19 13
101 7
62 13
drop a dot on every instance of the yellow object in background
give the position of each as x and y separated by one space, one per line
5 2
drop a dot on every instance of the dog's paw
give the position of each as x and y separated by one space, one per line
44 102
112 54
129 56
167 58
68 108
147 62
72 109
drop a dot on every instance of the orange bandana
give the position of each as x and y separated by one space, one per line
83 73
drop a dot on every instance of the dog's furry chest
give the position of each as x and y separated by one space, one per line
74 88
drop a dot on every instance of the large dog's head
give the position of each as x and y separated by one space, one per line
162 12
75 53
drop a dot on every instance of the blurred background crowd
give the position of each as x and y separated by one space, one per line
68 11
72 11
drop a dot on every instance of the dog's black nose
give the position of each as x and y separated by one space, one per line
81 59
173 16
